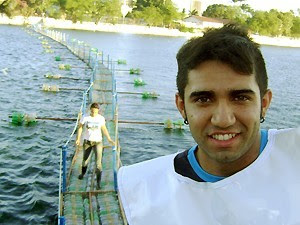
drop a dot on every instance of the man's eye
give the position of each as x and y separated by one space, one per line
203 100
241 98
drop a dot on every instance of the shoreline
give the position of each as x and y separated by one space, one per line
133 29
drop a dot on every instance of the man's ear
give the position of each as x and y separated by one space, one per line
265 102
180 105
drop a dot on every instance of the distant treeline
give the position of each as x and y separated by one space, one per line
271 23
161 13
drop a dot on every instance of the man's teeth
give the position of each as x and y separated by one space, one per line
223 137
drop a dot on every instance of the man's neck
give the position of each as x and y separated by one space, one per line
226 169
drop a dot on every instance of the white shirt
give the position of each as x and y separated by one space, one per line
267 192
92 125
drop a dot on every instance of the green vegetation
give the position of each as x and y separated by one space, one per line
271 23
75 10
233 13
162 13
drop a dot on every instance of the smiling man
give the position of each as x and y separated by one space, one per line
237 173
223 108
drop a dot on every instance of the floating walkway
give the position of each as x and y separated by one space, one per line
79 200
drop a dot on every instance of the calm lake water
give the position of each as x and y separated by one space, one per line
29 156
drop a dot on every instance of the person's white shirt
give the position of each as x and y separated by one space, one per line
92 125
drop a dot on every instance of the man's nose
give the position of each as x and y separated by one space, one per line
223 115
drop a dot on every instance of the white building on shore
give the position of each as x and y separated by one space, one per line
202 22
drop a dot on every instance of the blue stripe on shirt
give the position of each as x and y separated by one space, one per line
213 178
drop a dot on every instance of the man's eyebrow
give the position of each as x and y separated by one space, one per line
212 93
202 93
242 91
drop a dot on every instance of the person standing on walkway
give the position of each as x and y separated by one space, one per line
94 125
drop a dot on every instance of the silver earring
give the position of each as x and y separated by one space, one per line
186 122
262 119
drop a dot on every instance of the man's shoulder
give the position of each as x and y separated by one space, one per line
146 169
286 138
159 162
287 131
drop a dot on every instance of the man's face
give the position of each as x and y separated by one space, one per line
94 111
223 110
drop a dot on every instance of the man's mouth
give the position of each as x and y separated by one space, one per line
223 137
